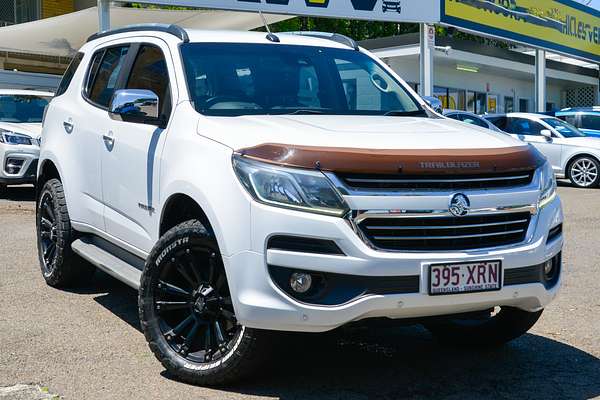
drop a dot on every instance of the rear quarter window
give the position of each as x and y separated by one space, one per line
68 75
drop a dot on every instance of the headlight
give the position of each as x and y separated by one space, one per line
10 137
547 185
297 189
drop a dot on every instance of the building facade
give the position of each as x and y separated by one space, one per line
479 78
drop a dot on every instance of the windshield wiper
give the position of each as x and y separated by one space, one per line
400 113
305 111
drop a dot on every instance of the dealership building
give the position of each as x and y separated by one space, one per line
551 68
485 78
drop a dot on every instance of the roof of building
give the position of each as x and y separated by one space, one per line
412 39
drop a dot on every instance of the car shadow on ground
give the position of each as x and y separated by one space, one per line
399 362
18 193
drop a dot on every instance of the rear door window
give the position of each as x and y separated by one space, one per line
102 82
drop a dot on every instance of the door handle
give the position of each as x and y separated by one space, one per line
68 125
109 140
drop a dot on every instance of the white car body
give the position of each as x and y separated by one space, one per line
559 150
19 161
122 194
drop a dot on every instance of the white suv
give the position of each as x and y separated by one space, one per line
247 183
21 113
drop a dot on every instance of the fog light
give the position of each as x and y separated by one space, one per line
300 282
548 265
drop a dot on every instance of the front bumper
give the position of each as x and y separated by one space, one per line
260 303
19 163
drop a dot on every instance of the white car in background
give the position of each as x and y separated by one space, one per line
21 113
573 155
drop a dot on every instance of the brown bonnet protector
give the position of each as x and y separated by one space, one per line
409 162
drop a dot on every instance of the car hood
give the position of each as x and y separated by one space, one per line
362 132
33 130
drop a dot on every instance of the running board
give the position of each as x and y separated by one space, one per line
111 259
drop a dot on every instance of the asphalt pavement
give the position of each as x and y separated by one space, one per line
87 344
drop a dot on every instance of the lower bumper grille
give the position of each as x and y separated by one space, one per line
446 233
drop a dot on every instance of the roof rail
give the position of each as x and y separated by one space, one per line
173 29
336 37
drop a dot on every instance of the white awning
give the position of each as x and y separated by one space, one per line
63 35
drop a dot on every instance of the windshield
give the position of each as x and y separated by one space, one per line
22 108
564 128
228 79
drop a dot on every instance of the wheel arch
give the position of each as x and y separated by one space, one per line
181 207
47 170
575 156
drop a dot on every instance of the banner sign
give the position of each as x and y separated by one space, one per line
564 26
375 10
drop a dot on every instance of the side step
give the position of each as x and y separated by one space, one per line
111 259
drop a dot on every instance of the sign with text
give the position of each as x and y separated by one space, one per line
564 26
375 10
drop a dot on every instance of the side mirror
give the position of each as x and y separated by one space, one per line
434 103
547 133
135 105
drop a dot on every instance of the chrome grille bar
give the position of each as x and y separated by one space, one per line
447 237
401 228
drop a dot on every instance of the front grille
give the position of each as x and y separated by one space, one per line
436 182
446 233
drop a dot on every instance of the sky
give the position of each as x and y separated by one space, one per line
595 4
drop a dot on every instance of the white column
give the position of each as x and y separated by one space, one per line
540 80
103 15
426 61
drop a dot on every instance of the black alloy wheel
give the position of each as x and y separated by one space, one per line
193 306
60 266
187 313
48 233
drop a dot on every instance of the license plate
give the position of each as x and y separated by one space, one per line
465 278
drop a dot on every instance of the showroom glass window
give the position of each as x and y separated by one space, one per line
255 79
103 74
149 72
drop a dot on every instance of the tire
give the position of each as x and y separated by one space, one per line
484 329
584 172
184 267
61 267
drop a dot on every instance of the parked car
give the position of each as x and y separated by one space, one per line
586 120
242 188
434 103
21 113
573 155
471 118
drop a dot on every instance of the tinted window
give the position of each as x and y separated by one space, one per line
22 108
474 121
590 122
150 72
455 116
563 128
241 79
500 122
68 75
522 126
105 79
